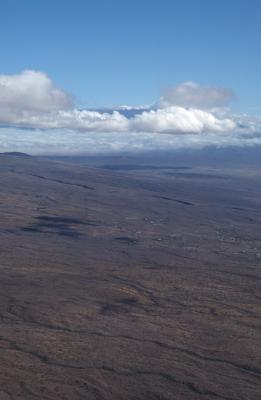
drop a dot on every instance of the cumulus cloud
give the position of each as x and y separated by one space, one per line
191 94
79 120
31 99
187 115
172 120
29 93
180 120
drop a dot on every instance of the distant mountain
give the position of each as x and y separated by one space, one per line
128 112
15 154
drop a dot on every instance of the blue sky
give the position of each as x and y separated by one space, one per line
118 52
195 64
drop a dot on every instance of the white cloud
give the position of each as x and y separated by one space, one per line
31 100
174 120
29 93
191 94
70 142
180 120
79 120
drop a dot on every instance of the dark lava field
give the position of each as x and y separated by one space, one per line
129 282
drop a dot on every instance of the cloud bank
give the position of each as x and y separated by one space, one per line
40 118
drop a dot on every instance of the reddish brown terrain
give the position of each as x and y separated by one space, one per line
132 283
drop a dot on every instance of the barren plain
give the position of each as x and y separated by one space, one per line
129 282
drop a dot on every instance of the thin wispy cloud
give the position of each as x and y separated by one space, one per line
191 94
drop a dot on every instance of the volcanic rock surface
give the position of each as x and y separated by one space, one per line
124 283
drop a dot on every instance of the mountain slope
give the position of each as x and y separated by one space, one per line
128 286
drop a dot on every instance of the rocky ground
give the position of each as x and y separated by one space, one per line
124 283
